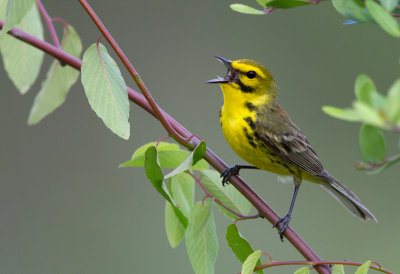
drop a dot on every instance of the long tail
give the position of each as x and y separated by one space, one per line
348 199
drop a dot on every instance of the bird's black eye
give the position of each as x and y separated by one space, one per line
251 74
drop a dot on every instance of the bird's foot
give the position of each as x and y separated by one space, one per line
284 223
227 173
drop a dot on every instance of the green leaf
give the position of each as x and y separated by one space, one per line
364 87
58 81
201 238
303 270
372 144
250 262
228 195
337 269
239 245
343 114
366 92
3 9
369 115
155 175
389 5
169 155
379 102
389 163
21 60
246 9
162 146
287 4
263 3
393 103
383 18
173 226
15 11
352 9
364 268
106 90
195 156
182 191
154 172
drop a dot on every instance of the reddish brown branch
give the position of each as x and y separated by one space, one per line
264 209
311 263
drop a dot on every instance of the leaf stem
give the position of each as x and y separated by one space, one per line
210 156
370 166
208 194
49 23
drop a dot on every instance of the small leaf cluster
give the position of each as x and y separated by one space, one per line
371 11
268 5
251 259
376 112
191 221
379 12
104 86
185 218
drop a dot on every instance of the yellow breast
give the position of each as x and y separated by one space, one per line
237 122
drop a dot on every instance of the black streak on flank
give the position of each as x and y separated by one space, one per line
250 122
249 138
256 136
250 106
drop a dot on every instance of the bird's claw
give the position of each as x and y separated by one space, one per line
284 223
228 173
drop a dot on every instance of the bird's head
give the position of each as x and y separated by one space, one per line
247 77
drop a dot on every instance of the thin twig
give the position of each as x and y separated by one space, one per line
132 71
371 166
161 139
209 156
311 263
208 194
62 21
49 23
255 216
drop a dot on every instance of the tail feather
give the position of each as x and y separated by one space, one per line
348 199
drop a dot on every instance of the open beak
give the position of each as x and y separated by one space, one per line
230 76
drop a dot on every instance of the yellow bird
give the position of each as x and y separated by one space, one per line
259 130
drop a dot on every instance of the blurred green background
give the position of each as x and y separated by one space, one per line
66 207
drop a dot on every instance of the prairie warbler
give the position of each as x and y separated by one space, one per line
261 132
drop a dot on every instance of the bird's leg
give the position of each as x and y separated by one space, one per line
284 222
233 170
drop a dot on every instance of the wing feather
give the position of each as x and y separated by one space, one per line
281 135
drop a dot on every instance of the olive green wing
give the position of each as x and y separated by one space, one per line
280 134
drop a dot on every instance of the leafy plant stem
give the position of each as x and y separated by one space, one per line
208 194
49 23
312 264
371 166
255 216
132 71
262 207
